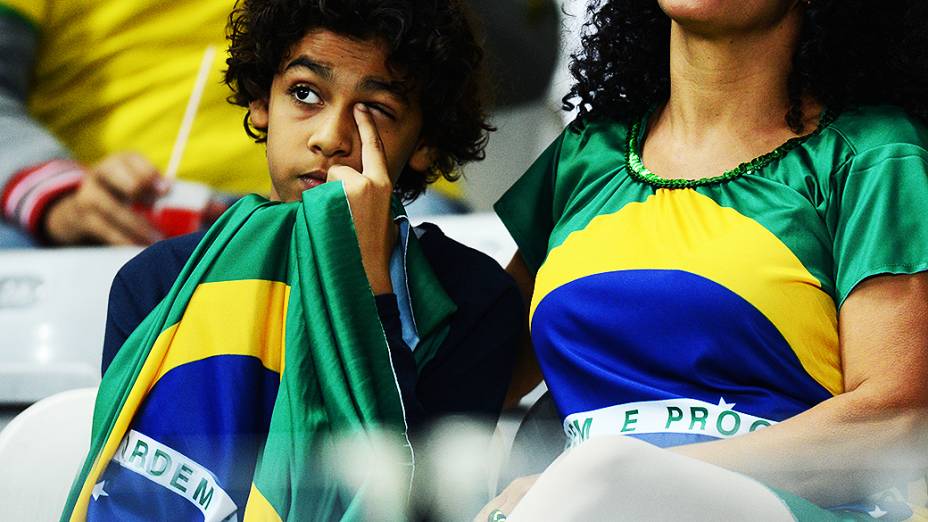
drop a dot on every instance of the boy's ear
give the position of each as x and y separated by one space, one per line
422 158
258 110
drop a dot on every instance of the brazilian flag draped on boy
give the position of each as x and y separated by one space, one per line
218 405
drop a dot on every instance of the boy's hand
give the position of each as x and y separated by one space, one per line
100 211
369 194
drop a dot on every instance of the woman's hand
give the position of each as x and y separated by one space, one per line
369 194
506 501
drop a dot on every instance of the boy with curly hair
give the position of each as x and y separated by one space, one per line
361 103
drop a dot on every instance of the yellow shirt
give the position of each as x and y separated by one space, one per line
115 76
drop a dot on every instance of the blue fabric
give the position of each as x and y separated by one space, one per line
215 431
693 348
400 288
12 237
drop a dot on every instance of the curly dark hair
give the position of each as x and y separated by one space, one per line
431 42
850 52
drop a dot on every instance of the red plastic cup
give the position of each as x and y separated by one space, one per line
180 211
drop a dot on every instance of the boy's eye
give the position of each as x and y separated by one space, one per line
304 94
381 109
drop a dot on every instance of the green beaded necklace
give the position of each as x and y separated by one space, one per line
641 173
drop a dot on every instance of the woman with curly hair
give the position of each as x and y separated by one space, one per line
726 254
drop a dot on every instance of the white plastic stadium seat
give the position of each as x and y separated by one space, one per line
41 451
52 314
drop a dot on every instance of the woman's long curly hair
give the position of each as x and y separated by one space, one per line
431 42
850 53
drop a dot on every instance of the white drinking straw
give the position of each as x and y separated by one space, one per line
180 143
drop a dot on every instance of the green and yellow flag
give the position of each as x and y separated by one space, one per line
221 403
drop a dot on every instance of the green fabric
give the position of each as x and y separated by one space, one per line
431 306
805 511
622 264
880 225
858 189
527 208
338 376
11 12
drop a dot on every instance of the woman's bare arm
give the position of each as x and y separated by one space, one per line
874 433
526 375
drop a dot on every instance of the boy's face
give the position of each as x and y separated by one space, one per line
310 114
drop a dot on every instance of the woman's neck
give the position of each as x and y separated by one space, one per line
722 82
728 100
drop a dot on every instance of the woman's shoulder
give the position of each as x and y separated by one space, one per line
873 127
597 132
589 148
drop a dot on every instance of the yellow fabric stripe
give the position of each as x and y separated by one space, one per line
452 190
917 496
32 10
919 514
684 230
258 509
136 396
226 318
231 318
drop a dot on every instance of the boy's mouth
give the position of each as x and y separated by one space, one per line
312 179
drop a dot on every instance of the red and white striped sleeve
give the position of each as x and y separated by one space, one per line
26 197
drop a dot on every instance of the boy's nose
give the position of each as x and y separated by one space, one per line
333 133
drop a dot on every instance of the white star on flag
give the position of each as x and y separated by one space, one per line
724 405
877 512
98 491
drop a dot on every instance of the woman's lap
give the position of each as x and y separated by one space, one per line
622 478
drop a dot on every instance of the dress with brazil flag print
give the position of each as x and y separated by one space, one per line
680 311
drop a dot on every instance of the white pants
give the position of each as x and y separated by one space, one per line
622 478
